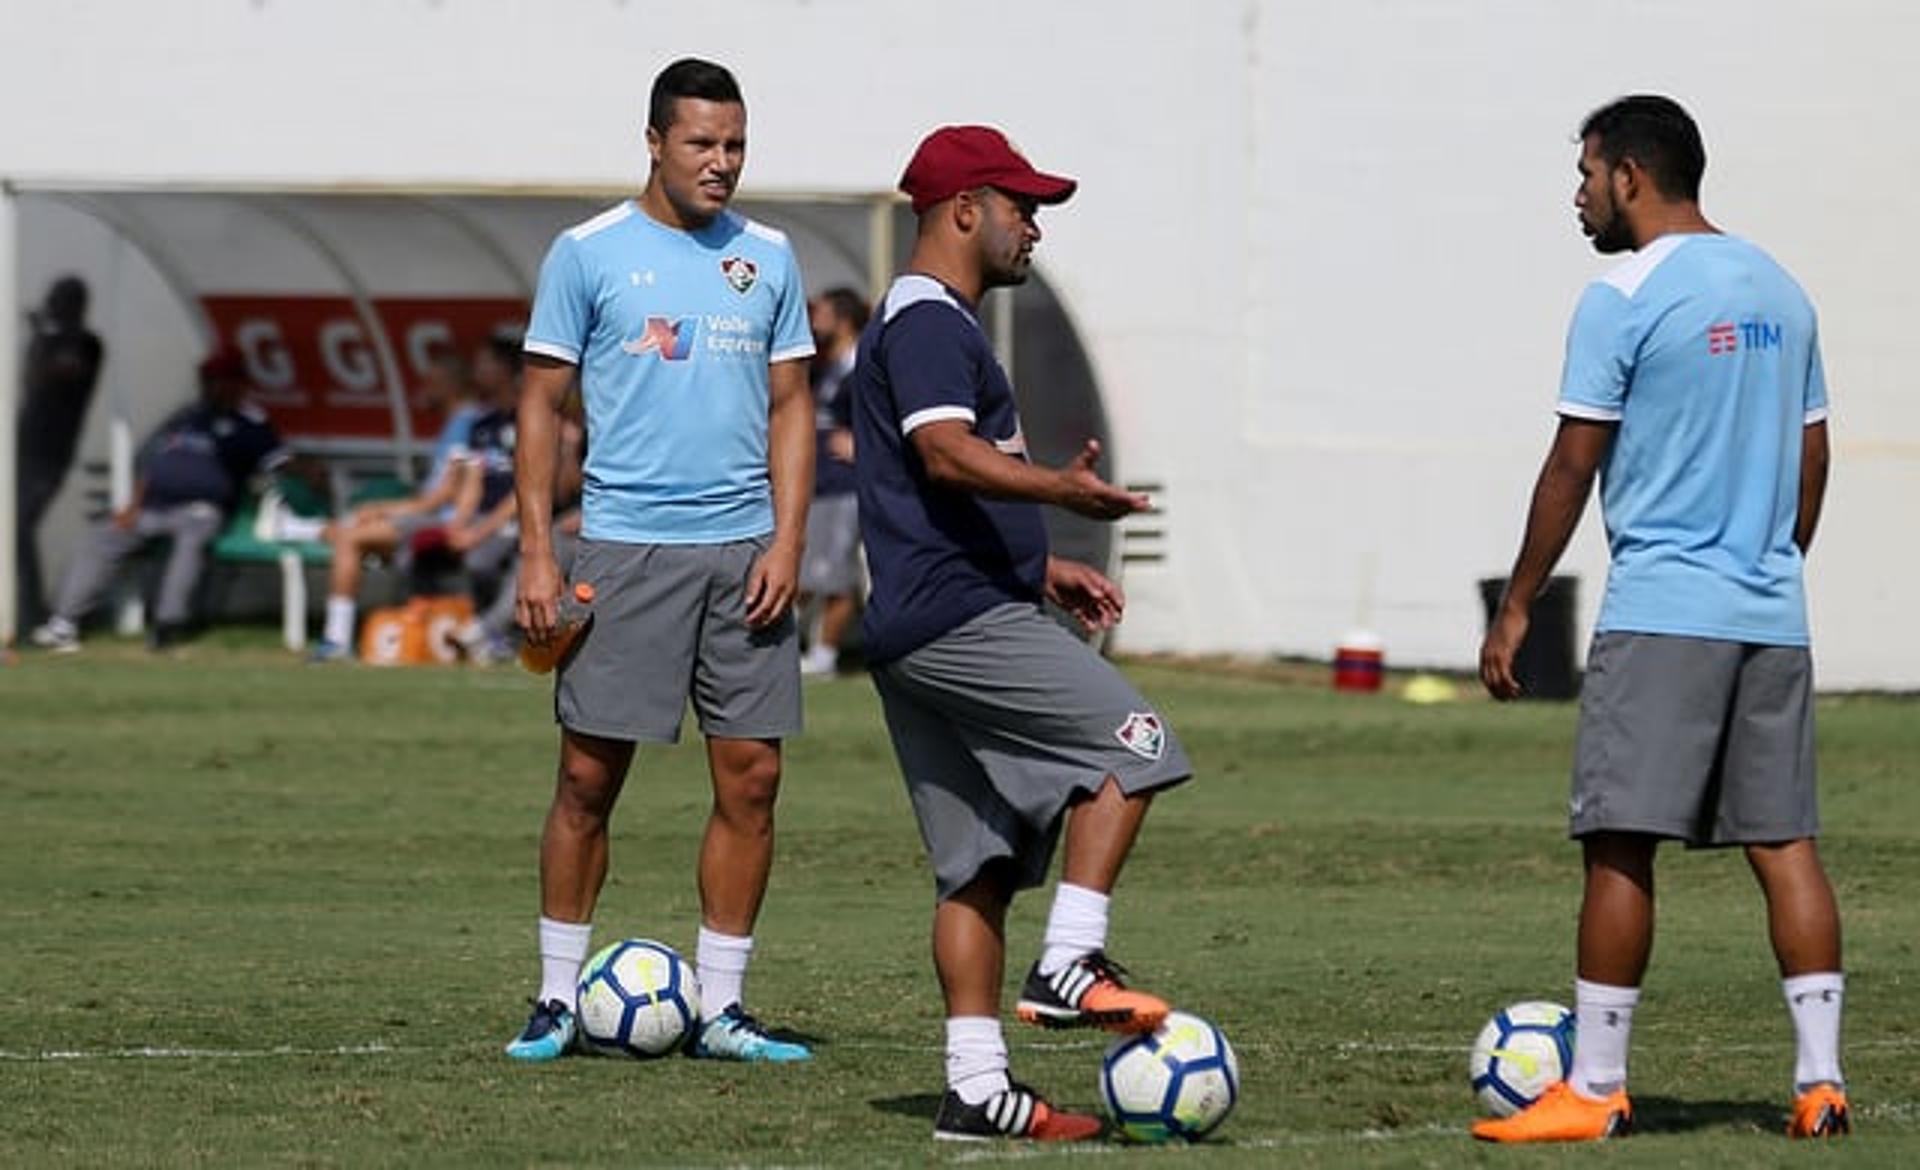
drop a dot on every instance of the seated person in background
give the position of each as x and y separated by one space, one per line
190 474
490 637
388 527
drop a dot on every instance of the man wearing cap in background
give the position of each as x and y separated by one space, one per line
190 474
1005 725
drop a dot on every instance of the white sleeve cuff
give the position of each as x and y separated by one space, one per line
1568 409
932 414
553 349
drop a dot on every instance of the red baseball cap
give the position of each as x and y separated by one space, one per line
953 159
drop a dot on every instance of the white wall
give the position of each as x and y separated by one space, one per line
1323 256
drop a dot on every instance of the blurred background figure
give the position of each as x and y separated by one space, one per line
830 576
62 369
191 473
396 528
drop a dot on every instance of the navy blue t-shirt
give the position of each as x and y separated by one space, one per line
832 411
205 453
490 443
938 557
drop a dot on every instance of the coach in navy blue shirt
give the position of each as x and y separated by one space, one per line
1005 725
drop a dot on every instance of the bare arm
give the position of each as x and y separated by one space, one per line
775 579
536 451
957 458
1559 497
1814 461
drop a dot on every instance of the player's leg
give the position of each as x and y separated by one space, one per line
192 528
746 693
364 534
1803 920
1615 943
1074 981
573 869
1769 805
969 953
95 560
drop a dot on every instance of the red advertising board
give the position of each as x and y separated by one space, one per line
316 369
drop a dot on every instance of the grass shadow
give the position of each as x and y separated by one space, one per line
1672 1115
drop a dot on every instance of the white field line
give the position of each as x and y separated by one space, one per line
377 1048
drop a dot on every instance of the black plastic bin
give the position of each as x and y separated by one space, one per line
1544 664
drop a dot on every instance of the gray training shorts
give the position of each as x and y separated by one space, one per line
1706 741
998 724
668 626
832 564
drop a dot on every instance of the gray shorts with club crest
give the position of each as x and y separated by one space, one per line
999 724
1706 741
669 626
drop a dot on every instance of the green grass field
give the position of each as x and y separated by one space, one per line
259 913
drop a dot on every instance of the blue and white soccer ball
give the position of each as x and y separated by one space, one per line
1522 1050
1178 1081
637 998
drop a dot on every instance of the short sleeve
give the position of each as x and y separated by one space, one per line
1815 404
1599 361
562 316
792 333
930 362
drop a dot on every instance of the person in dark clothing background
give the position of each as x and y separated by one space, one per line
62 368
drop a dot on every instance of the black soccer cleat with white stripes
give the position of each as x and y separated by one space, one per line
1014 1112
1089 992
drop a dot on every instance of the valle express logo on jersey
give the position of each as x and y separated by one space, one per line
720 335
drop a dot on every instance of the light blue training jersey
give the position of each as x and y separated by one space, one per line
673 332
1707 354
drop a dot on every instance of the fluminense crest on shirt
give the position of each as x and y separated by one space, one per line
740 273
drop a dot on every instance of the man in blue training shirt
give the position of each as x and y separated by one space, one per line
1007 727
1693 388
687 326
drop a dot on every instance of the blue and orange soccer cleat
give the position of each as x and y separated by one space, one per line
735 1035
548 1034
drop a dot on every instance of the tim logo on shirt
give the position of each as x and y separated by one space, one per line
670 337
1724 337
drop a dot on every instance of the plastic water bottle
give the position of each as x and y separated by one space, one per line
576 612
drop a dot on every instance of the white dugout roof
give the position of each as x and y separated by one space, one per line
1321 262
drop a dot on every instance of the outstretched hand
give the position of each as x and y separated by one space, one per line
1084 492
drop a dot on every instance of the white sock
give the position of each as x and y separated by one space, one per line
563 948
339 627
1603 1017
976 1058
1814 1001
720 960
295 527
1076 925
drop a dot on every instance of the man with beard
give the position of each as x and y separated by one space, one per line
1693 387
1007 728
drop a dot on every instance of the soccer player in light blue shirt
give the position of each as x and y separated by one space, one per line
686 325
1693 389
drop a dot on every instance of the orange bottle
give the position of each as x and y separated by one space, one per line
574 619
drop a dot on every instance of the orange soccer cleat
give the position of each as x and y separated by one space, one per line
1562 1115
1091 990
1820 1112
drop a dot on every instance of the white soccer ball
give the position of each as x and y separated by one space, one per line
1178 1081
1522 1050
638 998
